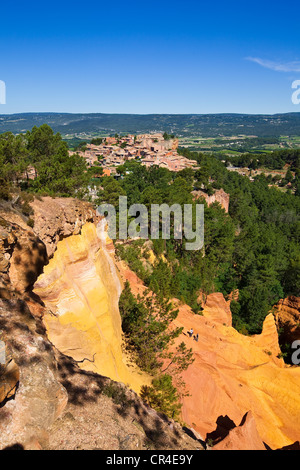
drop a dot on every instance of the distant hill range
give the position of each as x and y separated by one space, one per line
206 125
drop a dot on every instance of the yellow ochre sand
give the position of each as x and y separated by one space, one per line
81 288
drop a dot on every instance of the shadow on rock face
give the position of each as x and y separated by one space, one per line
14 447
224 425
295 446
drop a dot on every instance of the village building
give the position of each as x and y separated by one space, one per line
149 149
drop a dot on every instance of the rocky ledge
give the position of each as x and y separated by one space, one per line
46 400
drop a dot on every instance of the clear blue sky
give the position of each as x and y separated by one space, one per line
149 57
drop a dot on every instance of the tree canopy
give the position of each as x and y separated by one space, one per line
44 153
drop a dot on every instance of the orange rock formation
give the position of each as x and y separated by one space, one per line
287 314
233 374
243 437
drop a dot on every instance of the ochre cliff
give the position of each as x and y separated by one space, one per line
81 288
46 400
242 395
233 374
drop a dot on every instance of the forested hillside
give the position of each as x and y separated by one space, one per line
254 248
206 125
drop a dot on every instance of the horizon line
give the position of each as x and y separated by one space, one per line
150 114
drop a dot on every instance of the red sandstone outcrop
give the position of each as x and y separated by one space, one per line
219 196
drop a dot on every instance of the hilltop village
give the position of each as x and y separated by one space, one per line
150 149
